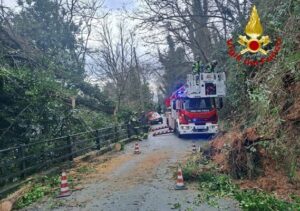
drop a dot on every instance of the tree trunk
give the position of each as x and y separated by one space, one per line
139 81
8 203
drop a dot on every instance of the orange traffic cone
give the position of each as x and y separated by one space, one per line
179 182
64 187
194 149
137 148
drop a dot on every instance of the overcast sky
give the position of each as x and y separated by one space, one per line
110 4
117 4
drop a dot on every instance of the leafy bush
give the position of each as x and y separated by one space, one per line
189 170
213 185
44 186
145 135
37 192
256 200
219 183
261 97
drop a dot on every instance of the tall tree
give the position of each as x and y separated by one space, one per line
41 68
175 65
192 22
115 58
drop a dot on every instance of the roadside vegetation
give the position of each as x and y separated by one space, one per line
214 186
260 122
261 111
259 143
259 146
48 88
54 82
42 186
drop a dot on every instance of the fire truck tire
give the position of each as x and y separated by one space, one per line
177 131
178 134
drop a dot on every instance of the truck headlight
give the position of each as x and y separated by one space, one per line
185 127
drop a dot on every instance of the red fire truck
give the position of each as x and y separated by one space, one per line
192 109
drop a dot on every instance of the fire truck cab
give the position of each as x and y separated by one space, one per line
193 107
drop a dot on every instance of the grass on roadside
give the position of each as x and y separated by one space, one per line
213 186
46 185
85 169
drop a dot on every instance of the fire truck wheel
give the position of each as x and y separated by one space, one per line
177 131
178 134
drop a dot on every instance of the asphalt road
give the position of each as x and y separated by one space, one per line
130 182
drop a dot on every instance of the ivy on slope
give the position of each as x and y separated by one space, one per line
262 97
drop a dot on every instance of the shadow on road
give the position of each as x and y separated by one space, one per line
198 137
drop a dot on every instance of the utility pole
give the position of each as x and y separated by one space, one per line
139 82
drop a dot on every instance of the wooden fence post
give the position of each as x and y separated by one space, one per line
145 128
136 130
23 162
128 130
98 140
70 151
116 133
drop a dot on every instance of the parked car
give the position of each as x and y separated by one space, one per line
154 118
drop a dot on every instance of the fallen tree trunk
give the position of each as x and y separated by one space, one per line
7 204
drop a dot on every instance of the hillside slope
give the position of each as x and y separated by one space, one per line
262 111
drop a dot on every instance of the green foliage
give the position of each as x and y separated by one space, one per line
41 188
85 169
122 146
261 96
189 170
36 88
213 186
176 206
44 23
175 65
290 64
31 197
31 99
91 119
292 172
255 200
259 99
42 68
133 90
124 114
147 98
145 136
37 106
243 87
237 99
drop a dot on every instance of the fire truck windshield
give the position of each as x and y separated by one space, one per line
198 104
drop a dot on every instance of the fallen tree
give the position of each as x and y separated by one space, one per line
7 204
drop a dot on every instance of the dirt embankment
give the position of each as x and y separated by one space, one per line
270 161
239 154
293 112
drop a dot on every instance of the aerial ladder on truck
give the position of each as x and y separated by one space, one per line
192 109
